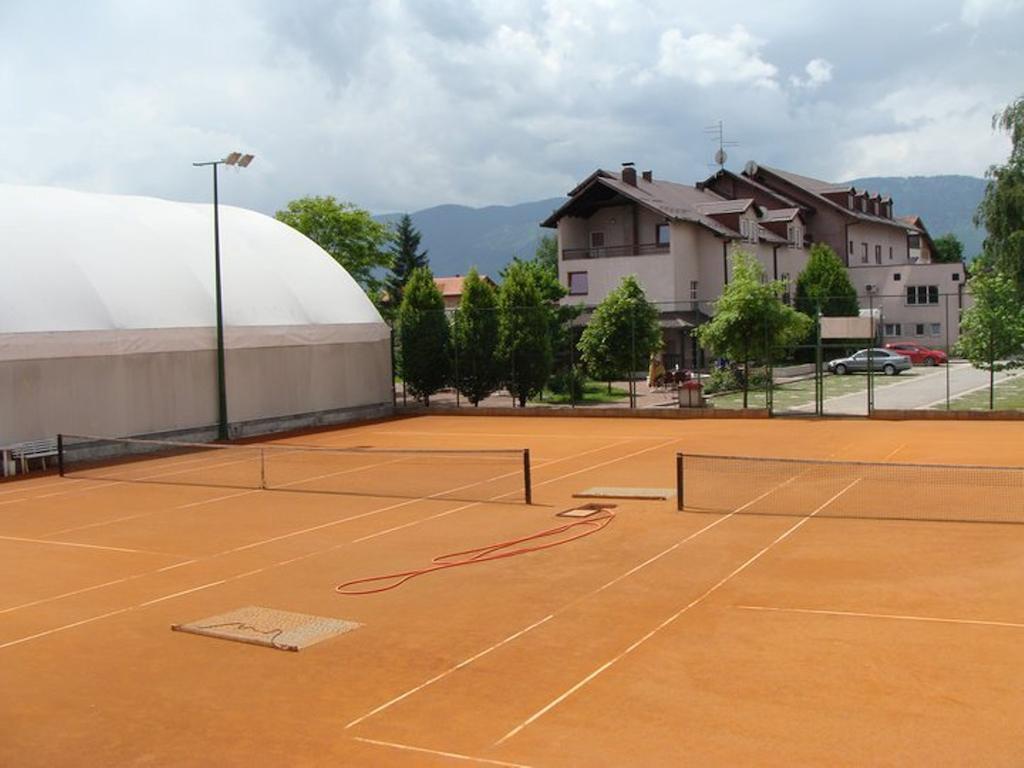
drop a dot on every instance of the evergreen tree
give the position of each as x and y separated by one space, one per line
406 257
622 334
423 336
475 339
524 343
750 322
824 283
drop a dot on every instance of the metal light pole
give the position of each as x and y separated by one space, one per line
241 161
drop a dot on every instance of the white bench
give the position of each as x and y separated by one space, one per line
33 449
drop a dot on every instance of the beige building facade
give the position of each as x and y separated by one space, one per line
678 239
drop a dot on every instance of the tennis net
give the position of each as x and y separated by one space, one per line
851 489
501 475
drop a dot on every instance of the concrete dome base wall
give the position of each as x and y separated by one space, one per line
164 392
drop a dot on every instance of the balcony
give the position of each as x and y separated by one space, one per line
613 251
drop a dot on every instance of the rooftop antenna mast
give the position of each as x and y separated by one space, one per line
717 134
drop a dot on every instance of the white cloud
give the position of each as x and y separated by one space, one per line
935 130
974 12
708 59
819 72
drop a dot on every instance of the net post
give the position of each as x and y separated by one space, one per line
527 484
60 454
679 482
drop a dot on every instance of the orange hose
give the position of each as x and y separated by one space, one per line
484 554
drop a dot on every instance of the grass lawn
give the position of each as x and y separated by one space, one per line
594 393
797 393
1009 396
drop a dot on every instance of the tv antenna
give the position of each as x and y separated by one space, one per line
717 134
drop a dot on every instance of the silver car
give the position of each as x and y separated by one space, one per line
881 361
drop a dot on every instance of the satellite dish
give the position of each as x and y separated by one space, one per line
721 157
750 169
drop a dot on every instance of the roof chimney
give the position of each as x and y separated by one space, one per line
648 175
629 174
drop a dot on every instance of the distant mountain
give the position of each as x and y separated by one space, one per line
458 237
946 203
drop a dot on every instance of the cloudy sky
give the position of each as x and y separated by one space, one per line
403 104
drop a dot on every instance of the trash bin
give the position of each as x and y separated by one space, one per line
690 394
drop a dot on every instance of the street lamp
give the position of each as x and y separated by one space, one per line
241 161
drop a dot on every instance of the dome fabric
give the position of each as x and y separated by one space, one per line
76 261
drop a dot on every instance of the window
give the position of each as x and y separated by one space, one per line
956 277
890 253
578 284
864 253
786 293
661 234
597 239
896 277
919 329
893 329
693 290
914 241
878 254
851 247
748 229
919 295
795 235
935 329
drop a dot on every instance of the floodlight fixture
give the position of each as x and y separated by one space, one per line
232 158
244 162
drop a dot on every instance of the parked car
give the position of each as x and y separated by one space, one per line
881 360
919 355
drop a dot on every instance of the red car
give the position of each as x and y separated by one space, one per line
918 355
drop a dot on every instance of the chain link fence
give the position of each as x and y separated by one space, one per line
822 375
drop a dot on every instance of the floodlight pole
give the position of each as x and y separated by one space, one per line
222 391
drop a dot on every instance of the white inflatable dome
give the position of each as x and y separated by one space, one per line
108 317
74 261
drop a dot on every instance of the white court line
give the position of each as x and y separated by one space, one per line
894 616
84 546
894 451
508 434
230 578
567 606
450 670
696 601
452 755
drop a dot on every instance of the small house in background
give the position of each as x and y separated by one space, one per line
451 288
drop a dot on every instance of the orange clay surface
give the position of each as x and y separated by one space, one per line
666 638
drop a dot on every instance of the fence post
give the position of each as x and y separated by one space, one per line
632 355
572 364
680 504
60 456
871 355
394 372
455 347
948 352
528 485
991 370
819 375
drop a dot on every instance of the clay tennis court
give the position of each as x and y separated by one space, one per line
660 638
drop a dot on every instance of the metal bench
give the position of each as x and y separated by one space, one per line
33 449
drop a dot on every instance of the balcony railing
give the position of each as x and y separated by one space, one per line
611 251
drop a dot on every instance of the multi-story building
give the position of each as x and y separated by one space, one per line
677 240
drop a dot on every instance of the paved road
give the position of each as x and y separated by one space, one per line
926 388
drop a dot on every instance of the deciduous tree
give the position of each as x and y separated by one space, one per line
948 249
750 320
349 234
622 334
